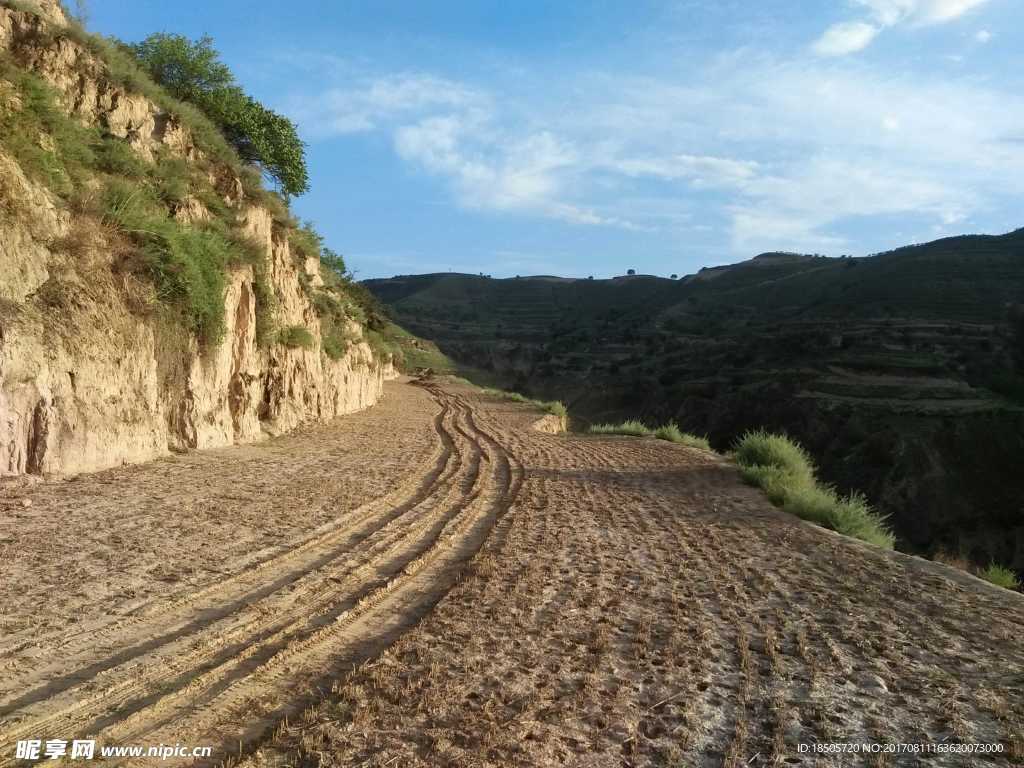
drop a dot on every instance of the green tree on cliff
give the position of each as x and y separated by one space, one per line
191 70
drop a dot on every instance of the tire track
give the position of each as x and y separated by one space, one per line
379 618
399 559
413 490
223 599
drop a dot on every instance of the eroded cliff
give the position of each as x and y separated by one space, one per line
94 371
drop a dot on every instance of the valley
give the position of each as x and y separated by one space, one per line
902 373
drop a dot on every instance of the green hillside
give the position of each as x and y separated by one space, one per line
903 372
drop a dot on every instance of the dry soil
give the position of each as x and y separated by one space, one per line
435 582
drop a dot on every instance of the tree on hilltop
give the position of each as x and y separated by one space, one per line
191 70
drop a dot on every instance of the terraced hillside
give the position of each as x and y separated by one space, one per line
433 582
903 373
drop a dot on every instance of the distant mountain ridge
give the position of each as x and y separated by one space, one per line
902 372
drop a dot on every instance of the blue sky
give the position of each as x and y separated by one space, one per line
587 138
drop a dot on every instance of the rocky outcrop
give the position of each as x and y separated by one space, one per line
88 381
551 424
92 371
86 87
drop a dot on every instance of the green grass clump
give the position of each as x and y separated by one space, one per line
187 263
417 354
116 157
296 337
786 474
35 130
1001 576
556 407
337 343
335 346
266 306
673 434
635 428
761 449
172 180
631 427
382 348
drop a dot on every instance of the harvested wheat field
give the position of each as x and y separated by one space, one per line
435 582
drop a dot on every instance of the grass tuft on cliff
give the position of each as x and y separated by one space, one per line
762 449
1001 576
149 208
296 337
673 434
187 263
669 432
632 427
556 407
49 146
785 472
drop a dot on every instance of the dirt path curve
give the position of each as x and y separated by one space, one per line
432 582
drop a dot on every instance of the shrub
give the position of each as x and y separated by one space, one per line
305 241
1000 576
785 472
371 310
382 348
334 264
335 346
296 337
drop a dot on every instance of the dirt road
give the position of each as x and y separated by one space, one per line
433 582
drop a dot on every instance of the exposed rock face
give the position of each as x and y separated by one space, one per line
551 424
23 255
88 93
91 373
87 382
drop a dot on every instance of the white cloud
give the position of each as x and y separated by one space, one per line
891 12
846 37
489 171
375 102
983 36
771 153
852 36
873 145
794 210
701 170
